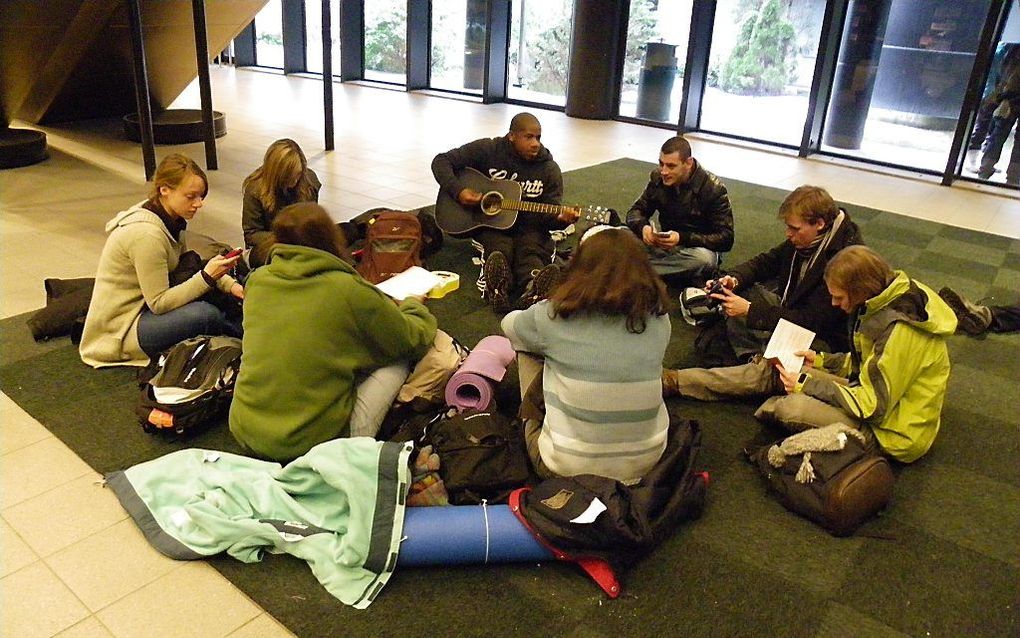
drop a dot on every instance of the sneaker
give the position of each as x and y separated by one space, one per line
542 283
972 318
496 271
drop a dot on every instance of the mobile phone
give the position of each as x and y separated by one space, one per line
234 253
662 234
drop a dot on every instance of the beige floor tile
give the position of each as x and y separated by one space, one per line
14 552
214 606
264 626
36 468
66 514
109 565
88 628
19 428
36 603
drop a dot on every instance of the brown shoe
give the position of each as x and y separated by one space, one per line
670 383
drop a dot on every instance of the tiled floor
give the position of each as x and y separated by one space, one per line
72 563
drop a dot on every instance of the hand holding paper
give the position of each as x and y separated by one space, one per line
787 340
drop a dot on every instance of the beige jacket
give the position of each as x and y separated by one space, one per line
134 273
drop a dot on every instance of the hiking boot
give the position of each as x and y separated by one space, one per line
974 319
542 283
496 271
670 383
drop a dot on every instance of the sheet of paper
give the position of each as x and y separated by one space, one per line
413 282
786 339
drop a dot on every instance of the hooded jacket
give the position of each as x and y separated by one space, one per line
699 209
540 179
134 272
313 329
807 303
898 367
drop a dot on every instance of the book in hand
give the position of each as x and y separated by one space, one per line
787 339
413 282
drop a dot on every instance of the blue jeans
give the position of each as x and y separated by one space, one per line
156 333
696 265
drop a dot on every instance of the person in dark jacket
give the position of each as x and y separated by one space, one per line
786 282
283 179
694 221
512 258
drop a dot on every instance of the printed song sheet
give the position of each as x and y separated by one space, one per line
413 282
786 339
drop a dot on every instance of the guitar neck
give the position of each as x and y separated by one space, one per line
531 207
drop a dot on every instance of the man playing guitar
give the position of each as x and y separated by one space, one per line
522 253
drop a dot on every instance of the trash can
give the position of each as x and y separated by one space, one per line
655 86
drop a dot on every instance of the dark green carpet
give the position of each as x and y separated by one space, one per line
949 565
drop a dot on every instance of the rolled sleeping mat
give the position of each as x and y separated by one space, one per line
466 534
472 386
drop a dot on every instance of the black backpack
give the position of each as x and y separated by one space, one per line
482 456
848 486
190 386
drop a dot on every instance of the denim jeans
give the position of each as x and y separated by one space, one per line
156 333
694 265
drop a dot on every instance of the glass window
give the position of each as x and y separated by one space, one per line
760 68
539 50
458 45
313 34
269 35
993 153
386 41
657 35
900 81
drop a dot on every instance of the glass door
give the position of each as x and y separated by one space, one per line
653 70
269 35
458 45
386 41
539 54
313 35
760 68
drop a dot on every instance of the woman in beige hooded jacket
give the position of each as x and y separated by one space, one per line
135 313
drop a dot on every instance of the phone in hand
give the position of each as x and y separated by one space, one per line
234 253
662 234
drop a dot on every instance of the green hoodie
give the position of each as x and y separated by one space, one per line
898 368
312 329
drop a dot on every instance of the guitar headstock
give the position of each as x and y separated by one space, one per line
595 214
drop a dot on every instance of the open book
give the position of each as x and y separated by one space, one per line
413 282
786 339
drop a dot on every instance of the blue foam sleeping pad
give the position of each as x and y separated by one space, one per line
456 535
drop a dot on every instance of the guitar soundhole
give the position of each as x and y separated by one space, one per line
491 202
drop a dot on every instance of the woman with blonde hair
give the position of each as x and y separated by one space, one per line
283 179
135 313
602 334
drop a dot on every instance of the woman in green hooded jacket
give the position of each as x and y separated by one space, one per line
325 352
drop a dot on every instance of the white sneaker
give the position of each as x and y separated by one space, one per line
973 160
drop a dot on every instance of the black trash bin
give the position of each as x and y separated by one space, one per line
655 86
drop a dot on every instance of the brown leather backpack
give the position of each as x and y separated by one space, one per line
393 244
849 485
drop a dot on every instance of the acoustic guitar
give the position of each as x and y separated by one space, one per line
501 201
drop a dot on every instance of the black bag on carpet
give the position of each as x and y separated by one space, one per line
482 456
190 386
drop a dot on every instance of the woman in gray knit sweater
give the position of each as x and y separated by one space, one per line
602 335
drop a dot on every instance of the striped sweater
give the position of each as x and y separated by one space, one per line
602 387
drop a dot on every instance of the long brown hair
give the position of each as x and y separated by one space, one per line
271 182
610 274
308 224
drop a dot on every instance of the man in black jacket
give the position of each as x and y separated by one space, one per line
512 258
786 282
695 219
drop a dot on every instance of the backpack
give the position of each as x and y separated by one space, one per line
482 456
605 525
189 386
355 231
838 489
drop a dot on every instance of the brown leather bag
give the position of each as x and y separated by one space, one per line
849 485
